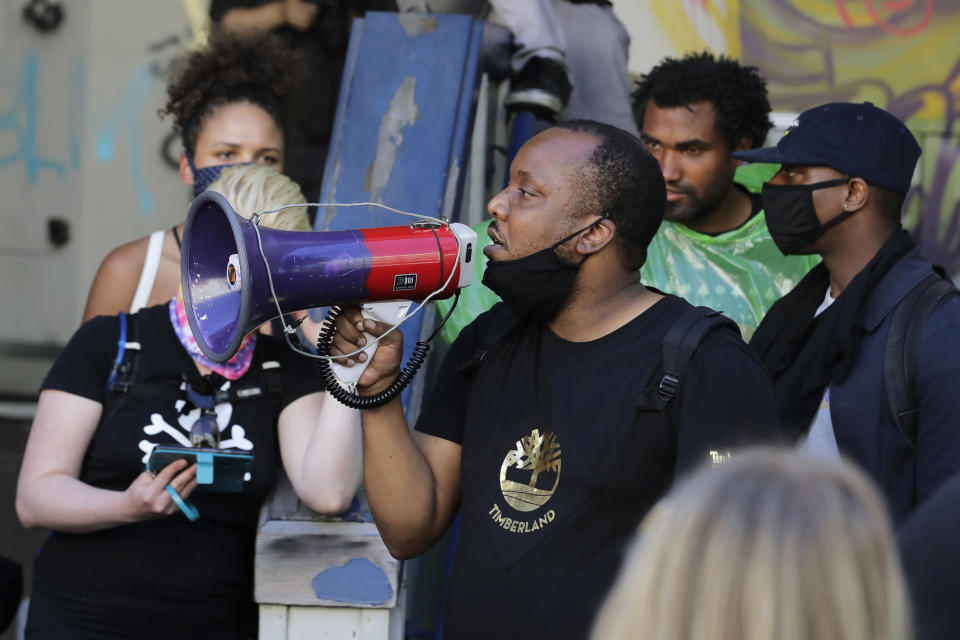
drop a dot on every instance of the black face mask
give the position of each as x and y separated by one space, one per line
791 215
536 286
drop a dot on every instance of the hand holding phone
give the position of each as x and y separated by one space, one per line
147 496
218 470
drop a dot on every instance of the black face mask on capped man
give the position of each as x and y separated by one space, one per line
792 217
535 286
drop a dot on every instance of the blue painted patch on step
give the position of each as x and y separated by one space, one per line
357 582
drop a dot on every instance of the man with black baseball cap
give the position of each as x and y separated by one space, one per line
846 171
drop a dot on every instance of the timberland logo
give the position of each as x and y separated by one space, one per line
718 458
530 468
520 526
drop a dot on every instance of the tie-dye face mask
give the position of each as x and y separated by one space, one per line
232 369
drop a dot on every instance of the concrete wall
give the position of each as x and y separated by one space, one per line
80 143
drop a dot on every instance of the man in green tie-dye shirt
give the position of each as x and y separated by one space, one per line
713 247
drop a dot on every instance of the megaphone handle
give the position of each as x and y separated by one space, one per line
349 375
390 312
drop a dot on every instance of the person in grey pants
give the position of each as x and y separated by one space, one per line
569 57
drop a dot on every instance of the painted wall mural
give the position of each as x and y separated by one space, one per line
30 76
19 122
902 55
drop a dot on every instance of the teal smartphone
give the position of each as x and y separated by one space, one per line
218 470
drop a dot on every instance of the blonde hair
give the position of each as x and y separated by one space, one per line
768 546
252 188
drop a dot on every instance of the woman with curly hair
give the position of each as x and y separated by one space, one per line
229 103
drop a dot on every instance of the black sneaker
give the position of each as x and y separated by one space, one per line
541 87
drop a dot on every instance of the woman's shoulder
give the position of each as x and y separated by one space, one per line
116 280
125 261
131 254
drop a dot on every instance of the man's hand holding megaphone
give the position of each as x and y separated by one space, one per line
384 366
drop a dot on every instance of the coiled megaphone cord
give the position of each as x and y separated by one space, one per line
353 400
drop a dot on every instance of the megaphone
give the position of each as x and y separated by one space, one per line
227 291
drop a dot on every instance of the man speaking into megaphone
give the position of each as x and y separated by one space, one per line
560 416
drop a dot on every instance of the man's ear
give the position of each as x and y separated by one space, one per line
186 174
857 194
597 236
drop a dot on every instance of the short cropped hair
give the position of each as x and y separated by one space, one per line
737 92
622 179
889 205
252 188
769 545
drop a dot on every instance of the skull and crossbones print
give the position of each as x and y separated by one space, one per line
181 432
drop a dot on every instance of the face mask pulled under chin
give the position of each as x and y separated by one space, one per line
536 286
792 217
533 287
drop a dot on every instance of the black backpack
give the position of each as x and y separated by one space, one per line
121 386
679 344
902 346
682 340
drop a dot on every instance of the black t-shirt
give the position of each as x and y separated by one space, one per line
565 447
169 566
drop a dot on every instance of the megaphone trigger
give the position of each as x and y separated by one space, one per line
391 312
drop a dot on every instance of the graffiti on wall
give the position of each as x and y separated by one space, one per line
693 25
899 54
19 123
114 132
126 117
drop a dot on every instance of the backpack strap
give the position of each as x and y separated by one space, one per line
682 340
679 344
271 379
124 369
120 383
902 347
121 352
128 355
268 381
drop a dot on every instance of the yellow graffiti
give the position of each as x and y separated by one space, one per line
901 56
199 19
694 25
846 50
